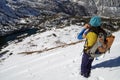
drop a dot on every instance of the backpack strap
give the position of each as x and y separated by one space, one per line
93 49
91 29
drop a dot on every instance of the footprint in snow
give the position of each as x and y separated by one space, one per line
98 78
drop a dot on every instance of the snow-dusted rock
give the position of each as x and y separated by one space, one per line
37 12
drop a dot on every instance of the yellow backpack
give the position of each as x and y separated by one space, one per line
109 39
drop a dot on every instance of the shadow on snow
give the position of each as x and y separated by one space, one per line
110 63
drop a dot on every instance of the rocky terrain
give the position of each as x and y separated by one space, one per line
108 8
19 16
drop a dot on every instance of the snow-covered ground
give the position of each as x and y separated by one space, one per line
62 63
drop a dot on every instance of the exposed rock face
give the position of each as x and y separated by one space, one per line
18 15
108 8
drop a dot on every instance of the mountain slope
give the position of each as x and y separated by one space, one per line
61 63
26 14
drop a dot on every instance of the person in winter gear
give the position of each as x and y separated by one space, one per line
95 21
91 38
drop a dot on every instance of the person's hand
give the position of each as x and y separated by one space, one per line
86 26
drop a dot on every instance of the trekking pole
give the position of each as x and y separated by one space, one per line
81 53
103 55
109 50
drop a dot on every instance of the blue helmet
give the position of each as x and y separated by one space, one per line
95 21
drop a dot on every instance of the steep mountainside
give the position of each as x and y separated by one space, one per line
16 15
109 8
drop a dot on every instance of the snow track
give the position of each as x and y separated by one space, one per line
58 60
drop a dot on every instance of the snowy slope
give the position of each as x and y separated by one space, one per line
57 64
